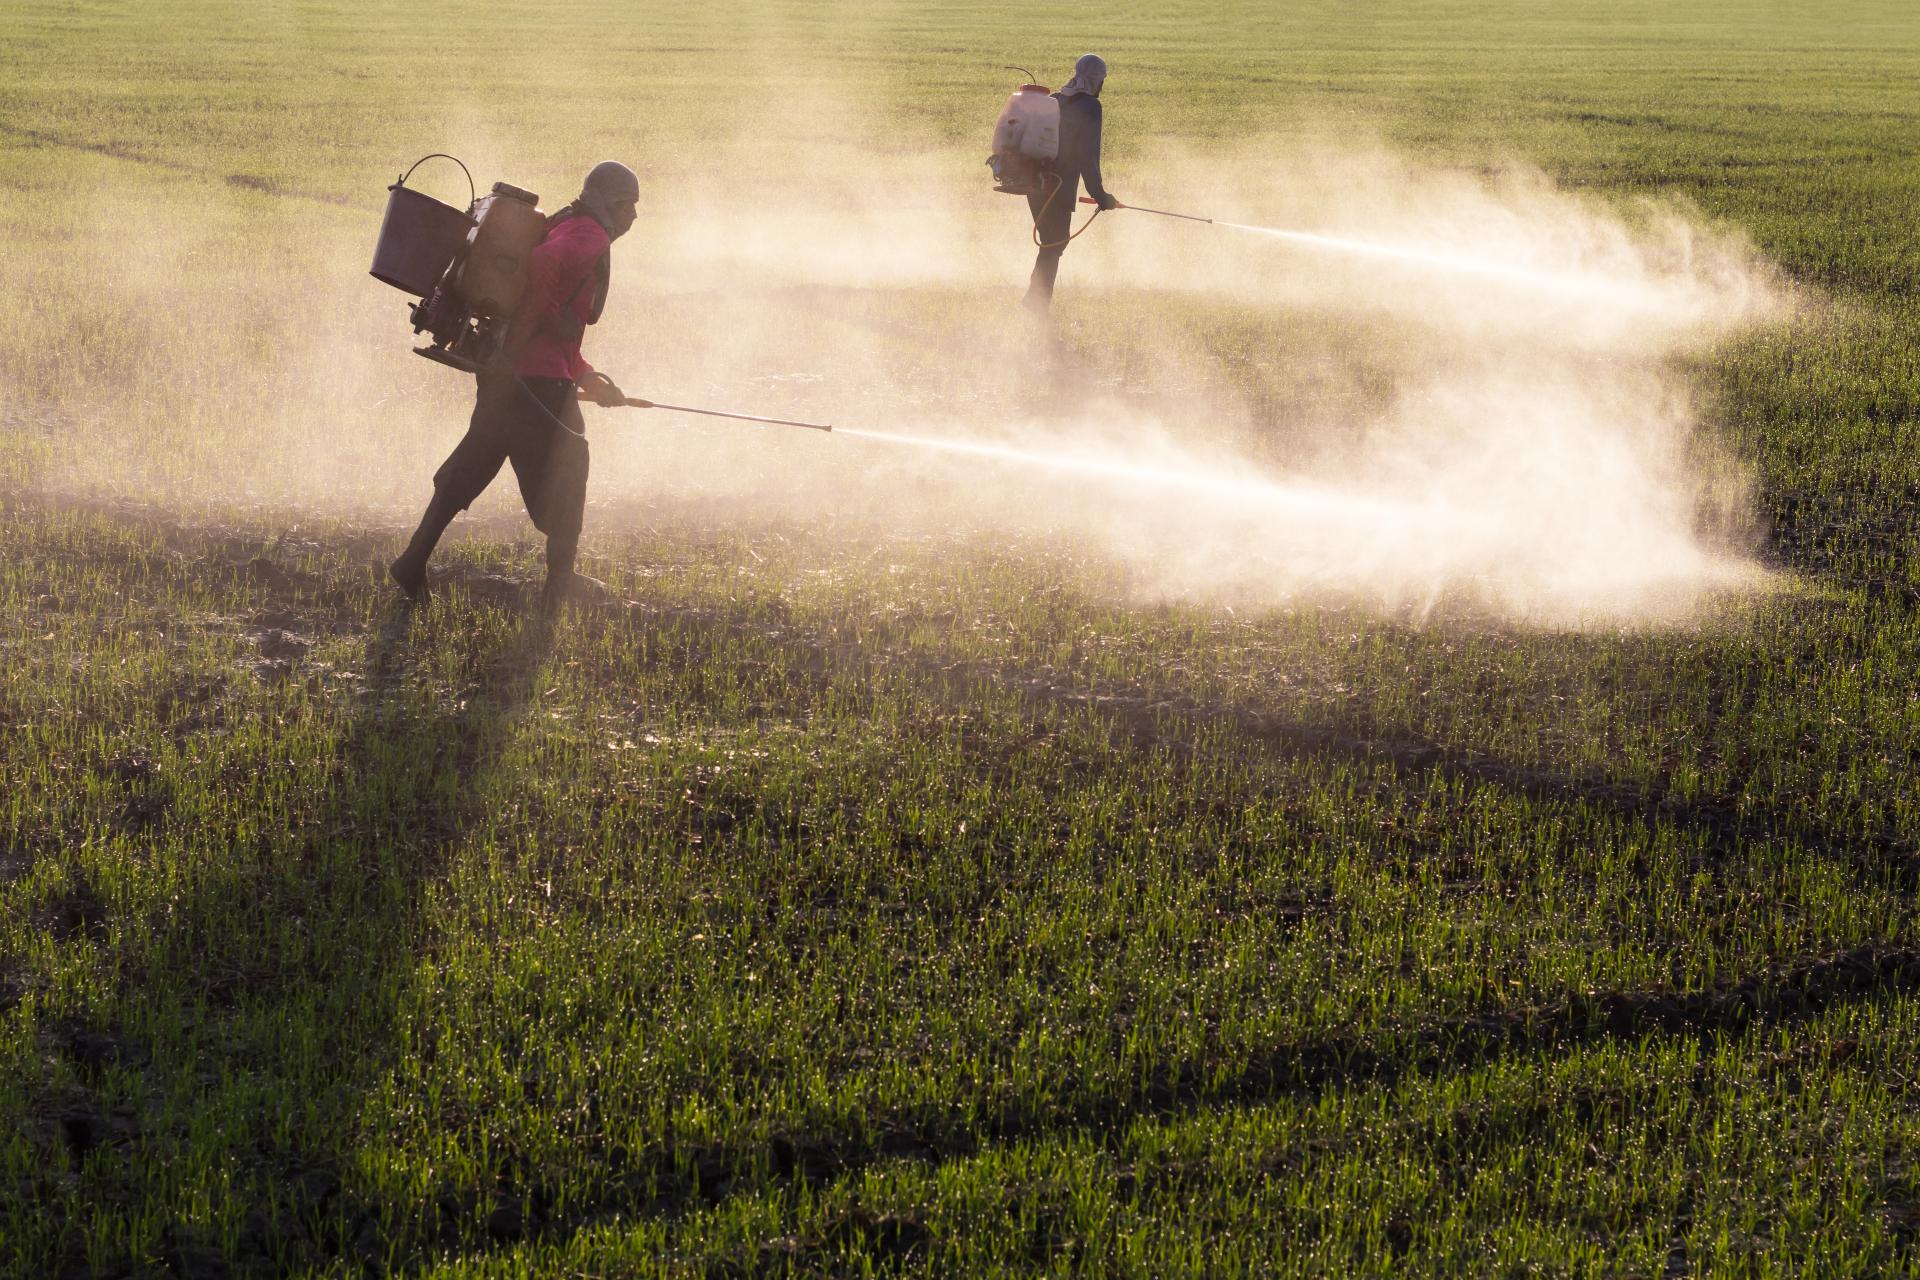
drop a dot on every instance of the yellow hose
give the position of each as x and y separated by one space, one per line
1045 205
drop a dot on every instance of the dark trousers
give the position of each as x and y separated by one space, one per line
1053 221
520 420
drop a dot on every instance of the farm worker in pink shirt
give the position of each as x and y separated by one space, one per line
527 409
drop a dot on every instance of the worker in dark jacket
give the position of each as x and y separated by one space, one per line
527 410
1079 162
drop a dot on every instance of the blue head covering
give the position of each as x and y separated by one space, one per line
1088 75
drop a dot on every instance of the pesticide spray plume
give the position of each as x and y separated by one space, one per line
1400 434
1217 422
1408 439
1199 525
1117 472
1412 257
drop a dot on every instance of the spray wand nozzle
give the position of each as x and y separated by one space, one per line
635 402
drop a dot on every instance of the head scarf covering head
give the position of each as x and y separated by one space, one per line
609 187
1088 75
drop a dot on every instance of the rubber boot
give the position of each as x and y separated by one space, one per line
409 572
1037 303
561 579
1039 299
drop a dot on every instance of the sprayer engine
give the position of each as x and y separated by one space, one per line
469 269
1026 141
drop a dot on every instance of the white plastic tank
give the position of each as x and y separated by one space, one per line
1030 125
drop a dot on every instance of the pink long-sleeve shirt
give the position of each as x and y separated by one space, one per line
558 306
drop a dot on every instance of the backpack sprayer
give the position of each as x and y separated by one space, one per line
1026 146
469 270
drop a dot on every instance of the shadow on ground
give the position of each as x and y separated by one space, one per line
262 1002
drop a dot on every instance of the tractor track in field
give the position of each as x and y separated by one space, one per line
245 181
670 1181
1727 827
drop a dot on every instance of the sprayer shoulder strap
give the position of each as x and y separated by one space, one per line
602 283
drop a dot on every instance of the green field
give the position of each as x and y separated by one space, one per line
908 868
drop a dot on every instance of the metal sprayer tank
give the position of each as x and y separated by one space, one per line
419 237
494 274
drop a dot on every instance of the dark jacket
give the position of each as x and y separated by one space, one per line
1079 147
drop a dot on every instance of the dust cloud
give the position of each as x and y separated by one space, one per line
1491 413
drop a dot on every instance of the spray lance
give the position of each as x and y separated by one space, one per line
634 402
